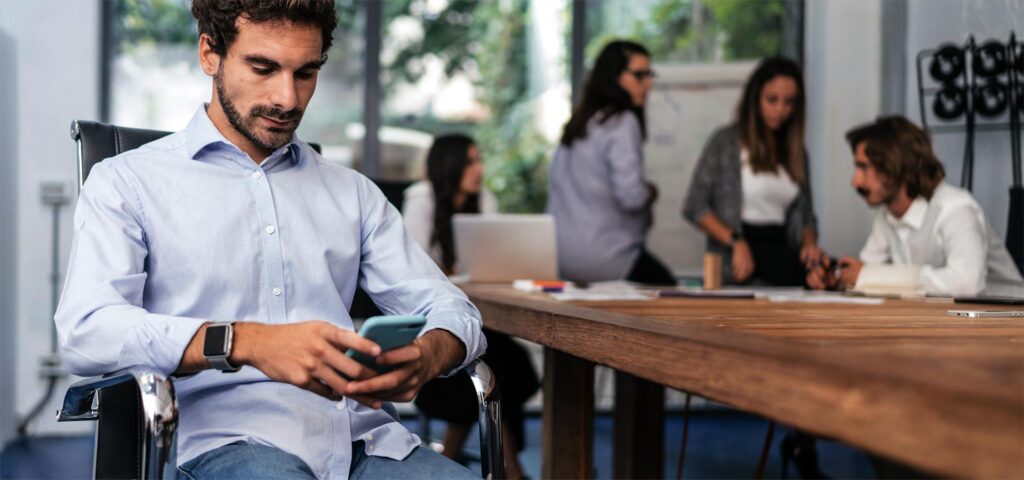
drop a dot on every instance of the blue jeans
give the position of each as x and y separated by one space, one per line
253 461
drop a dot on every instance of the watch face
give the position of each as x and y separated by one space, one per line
216 339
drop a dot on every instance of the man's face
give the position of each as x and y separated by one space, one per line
264 82
868 182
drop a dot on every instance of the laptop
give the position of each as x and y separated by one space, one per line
505 247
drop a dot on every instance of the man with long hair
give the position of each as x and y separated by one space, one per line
227 254
936 230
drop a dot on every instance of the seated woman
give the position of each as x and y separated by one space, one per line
750 191
599 197
454 185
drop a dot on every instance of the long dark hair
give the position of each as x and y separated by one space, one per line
446 161
786 145
602 94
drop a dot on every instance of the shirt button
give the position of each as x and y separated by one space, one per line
369 438
340 405
271 229
257 174
276 291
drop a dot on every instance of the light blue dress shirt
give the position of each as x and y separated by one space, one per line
188 229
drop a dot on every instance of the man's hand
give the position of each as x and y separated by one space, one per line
827 276
435 352
820 276
310 355
849 271
742 261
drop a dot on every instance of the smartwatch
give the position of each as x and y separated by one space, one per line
217 346
734 237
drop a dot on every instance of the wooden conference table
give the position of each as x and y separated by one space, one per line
901 379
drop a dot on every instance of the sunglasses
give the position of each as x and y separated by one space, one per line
642 75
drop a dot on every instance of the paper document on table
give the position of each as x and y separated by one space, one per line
823 297
605 291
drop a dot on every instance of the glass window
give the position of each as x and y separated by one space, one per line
155 77
497 70
702 51
156 81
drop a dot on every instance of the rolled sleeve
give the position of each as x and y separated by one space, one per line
101 323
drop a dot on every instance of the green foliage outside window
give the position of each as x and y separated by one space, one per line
681 31
490 37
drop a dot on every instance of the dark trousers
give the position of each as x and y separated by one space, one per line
647 269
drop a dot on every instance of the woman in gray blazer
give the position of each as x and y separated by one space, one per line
598 195
750 192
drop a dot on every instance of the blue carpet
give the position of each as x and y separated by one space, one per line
721 445
47 457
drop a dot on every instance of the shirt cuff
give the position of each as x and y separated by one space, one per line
160 341
465 327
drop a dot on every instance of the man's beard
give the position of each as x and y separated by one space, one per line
887 197
277 138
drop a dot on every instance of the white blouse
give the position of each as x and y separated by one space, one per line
766 196
418 214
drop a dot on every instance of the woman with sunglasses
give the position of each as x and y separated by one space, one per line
455 185
750 192
599 197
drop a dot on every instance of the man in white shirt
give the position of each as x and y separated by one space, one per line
930 236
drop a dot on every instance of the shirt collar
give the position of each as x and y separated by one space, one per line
202 133
913 217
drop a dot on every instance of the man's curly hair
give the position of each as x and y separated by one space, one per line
217 17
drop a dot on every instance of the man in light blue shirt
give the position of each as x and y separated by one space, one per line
234 224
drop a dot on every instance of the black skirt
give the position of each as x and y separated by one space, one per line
775 262
453 399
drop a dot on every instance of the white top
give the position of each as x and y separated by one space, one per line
950 241
418 214
766 195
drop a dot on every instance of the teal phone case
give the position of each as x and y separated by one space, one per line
390 332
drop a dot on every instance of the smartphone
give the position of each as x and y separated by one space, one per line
985 313
390 332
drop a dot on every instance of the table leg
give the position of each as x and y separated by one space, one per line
639 428
567 444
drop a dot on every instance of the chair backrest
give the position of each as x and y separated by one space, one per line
394 190
97 141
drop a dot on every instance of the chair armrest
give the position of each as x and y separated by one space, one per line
137 416
159 407
492 460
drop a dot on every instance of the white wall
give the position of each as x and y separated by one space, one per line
842 42
933 22
55 49
8 218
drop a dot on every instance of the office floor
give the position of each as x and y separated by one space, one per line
721 445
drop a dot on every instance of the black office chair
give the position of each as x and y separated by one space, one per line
136 410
